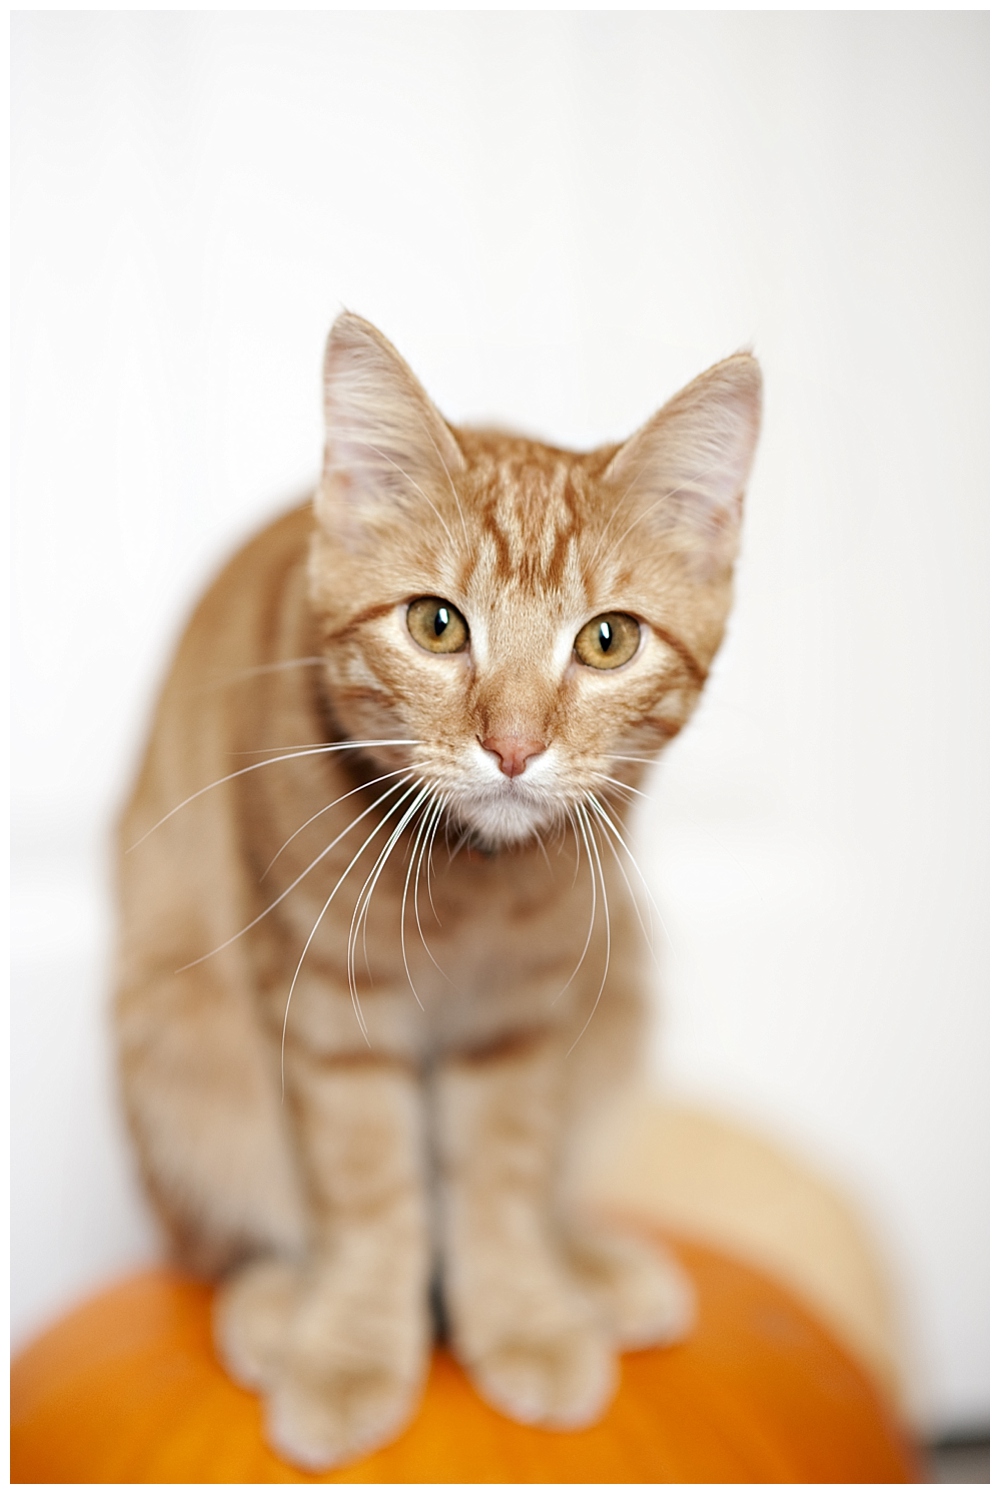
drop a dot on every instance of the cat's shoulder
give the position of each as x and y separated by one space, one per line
257 598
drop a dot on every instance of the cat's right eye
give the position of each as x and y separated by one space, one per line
437 625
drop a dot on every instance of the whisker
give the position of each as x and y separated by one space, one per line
322 914
541 847
593 915
651 901
463 840
444 799
619 784
258 669
358 921
252 768
332 805
416 841
369 883
368 890
588 833
427 821
429 848
576 842
646 933
416 855
613 809
302 875
330 746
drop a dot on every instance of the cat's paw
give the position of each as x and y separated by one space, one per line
561 1379
320 1421
347 1374
644 1296
250 1318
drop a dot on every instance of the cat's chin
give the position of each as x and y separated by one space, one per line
495 825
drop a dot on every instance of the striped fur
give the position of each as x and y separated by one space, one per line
369 996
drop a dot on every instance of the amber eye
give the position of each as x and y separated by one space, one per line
608 640
437 625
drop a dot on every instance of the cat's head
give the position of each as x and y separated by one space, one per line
531 623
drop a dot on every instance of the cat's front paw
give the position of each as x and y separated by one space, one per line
351 1366
250 1319
324 1419
563 1379
341 1365
644 1296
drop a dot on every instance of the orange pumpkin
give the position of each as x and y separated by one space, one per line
127 1389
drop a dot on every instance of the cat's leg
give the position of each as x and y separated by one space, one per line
251 1315
530 1337
355 1331
642 1292
203 1101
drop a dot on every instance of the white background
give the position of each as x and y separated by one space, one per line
558 219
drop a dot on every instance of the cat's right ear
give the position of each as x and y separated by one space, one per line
388 451
682 476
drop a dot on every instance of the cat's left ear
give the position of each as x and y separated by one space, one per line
388 450
684 473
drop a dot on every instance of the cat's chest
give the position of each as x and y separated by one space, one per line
477 948
502 954
488 924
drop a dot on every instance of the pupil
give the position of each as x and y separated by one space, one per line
442 617
604 633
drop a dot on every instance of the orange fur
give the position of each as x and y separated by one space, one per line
338 1086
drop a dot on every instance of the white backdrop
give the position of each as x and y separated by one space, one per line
558 219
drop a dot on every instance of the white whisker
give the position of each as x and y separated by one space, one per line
444 799
646 932
587 834
593 915
416 856
576 842
416 841
284 757
332 805
541 846
358 920
619 784
428 821
322 913
463 840
650 900
259 669
429 848
330 746
302 875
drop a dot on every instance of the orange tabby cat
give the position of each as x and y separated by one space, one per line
380 961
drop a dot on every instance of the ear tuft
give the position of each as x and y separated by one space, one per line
685 471
388 450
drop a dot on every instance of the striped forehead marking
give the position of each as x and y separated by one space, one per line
532 519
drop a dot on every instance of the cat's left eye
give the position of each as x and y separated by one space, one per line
607 641
437 625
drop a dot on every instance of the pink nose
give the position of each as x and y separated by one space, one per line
512 752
